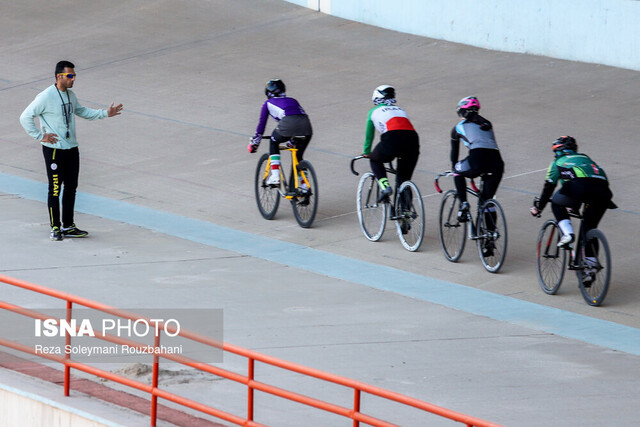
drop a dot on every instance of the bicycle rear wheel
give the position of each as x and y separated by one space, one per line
372 214
492 235
550 259
410 216
305 202
594 289
267 196
453 233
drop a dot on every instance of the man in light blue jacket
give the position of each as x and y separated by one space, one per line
56 108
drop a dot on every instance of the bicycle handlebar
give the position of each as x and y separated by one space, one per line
437 178
451 173
283 145
389 166
353 170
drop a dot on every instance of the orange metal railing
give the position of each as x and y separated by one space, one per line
352 412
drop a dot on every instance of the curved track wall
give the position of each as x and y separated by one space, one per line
597 31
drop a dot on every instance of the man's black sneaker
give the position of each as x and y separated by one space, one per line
56 234
73 231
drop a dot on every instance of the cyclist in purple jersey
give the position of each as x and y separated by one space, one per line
291 120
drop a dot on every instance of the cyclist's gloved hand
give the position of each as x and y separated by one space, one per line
252 148
290 144
255 143
535 209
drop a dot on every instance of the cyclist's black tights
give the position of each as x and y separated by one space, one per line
403 144
596 195
479 161
277 139
63 167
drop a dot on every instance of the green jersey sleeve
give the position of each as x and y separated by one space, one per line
369 134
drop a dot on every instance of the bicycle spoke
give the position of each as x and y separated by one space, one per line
452 233
267 197
371 214
492 233
305 202
595 272
550 260
410 214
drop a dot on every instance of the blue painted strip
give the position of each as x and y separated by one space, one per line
533 316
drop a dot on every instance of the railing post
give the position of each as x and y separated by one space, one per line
67 342
154 379
356 405
250 374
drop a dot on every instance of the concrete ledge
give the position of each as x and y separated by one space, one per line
22 408
31 394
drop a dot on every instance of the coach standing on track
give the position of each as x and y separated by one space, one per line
55 107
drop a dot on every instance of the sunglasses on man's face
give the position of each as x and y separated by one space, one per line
68 75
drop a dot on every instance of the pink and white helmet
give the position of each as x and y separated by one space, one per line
470 103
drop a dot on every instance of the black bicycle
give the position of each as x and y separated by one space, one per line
590 259
406 209
489 229
301 187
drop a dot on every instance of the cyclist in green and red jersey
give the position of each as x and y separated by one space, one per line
583 181
398 139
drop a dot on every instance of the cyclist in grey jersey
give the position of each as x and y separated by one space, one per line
476 133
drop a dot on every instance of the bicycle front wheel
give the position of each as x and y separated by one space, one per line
305 202
372 214
594 278
410 216
267 196
453 233
492 235
550 259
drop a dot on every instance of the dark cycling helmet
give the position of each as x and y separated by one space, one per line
274 87
383 92
467 105
563 144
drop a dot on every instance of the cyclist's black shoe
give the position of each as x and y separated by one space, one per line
487 250
588 276
73 231
463 213
385 194
566 240
405 227
304 200
56 234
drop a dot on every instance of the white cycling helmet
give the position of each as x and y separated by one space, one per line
383 92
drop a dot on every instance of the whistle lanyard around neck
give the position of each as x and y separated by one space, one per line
66 110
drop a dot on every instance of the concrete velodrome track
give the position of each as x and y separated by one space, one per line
167 194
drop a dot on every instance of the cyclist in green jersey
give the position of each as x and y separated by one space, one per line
583 181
